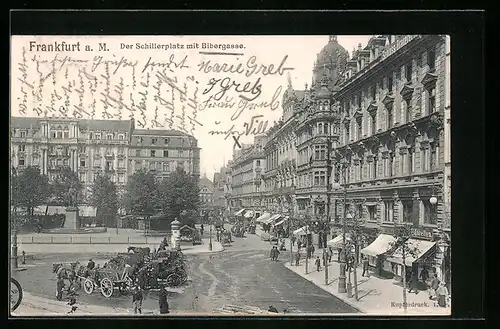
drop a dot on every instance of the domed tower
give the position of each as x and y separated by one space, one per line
330 61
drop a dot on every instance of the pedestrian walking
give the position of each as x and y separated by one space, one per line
297 258
276 254
442 294
330 254
434 286
299 244
318 264
271 253
424 276
59 288
137 298
293 238
365 266
163 301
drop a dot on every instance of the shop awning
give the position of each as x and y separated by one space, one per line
240 212
248 214
337 242
263 217
281 221
381 245
418 248
300 231
275 217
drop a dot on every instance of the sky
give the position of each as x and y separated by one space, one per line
207 86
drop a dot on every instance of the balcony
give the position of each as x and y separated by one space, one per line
110 156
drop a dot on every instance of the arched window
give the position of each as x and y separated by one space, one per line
326 128
320 128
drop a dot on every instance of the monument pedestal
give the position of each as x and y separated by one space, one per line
72 218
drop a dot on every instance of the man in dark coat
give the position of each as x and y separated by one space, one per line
163 302
59 288
137 298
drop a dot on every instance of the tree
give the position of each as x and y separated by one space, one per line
355 231
29 189
179 192
404 248
104 198
140 195
64 180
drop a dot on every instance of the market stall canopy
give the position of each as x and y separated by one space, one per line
248 214
300 231
419 249
240 212
382 244
264 217
275 217
337 242
282 221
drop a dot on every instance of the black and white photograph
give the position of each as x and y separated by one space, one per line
230 175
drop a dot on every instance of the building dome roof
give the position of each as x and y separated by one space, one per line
331 51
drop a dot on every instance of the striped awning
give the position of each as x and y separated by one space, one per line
300 231
240 212
275 217
281 221
382 244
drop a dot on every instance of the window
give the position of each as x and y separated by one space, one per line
408 72
320 128
59 162
391 165
22 148
109 137
53 134
431 59
181 153
258 163
319 152
120 136
153 141
65 162
374 168
108 151
138 164
423 159
151 165
83 177
59 134
153 153
319 178
358 103
167 141
97 162
389 83
97 136
21 161
430 213
137 153
165 153
98 150
23 134
121 150
408 115
66 134
388 211
166 166
139 140
361 166
373 91
372 213
373 123
390 118
90 136
431 100
360 129
433 157
407 211
158 166
121 178
121 163
410 167
326 129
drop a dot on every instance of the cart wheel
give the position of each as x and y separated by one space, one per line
106 287
88 286
16 294
174 280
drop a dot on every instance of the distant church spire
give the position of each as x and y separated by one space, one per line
333 38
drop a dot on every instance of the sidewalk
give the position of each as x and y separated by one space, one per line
54 248
377 296
39 306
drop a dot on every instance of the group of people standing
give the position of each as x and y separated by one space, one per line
274 253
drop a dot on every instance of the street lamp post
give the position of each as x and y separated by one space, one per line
14 259
342 278
210 238
349 284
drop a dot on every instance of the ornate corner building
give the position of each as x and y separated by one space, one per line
93 147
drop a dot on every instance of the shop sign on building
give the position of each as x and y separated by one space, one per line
421 233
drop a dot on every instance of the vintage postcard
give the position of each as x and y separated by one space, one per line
230 175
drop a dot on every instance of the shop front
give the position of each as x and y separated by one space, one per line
376 252
304 235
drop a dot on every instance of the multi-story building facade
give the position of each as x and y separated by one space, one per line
246 176
163 151
280 154
222 185
393 143
206 194
92 147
